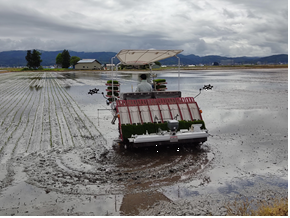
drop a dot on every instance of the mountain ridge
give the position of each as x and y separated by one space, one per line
17 58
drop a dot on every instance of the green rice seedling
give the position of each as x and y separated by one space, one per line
116 88
114 82
159 80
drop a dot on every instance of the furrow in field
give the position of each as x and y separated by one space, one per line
84 131
56 130
45 134
70 133
93 135
16 94
22 142
34 143
13 84
66 135
8 89
10 136
71 118
16 135
10 97
11 118
7 78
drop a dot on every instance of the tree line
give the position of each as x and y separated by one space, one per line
63 60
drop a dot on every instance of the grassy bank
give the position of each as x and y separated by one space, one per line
272 207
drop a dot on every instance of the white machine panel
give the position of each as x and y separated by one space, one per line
155 112
194 111
174 111
165 112
145 114
135 115
124 116
185 112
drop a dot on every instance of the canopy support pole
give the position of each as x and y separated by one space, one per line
178 71
112 68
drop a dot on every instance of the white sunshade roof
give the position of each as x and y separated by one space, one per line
142 57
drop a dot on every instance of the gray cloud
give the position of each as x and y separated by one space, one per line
211 27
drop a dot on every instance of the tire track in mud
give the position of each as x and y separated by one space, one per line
65 151
82 171
28 124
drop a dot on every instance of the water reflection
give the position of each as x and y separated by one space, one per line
246 113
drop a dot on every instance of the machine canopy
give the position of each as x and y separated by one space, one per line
142 57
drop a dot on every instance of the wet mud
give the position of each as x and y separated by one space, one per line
59 157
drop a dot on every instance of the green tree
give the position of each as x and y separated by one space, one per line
36 60
74 60
33 59
28 59
65 59
58 59
157 63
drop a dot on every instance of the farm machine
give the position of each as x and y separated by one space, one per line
155 118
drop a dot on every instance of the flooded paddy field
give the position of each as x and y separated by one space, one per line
57 155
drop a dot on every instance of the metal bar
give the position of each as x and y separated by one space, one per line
129 114
179 110
160 112
178 72
169 111
189 111
140 114
112 68
150 112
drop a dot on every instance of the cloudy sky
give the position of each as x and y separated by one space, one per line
202 27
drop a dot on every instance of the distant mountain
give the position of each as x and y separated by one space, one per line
17 58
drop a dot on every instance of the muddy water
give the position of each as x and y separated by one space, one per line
246 114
